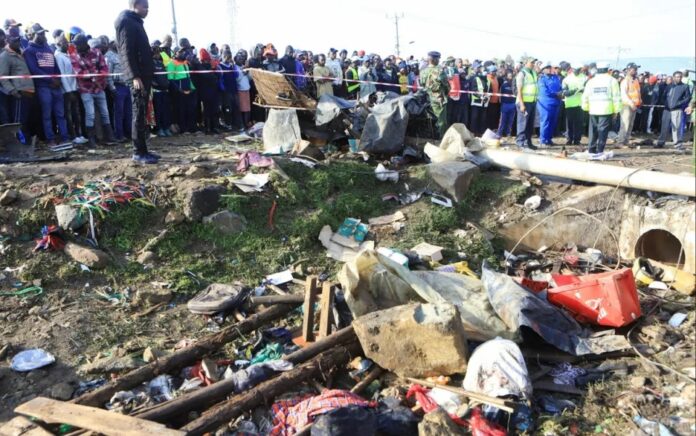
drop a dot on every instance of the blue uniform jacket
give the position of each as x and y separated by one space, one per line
549 87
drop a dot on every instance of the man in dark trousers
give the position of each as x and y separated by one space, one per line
138 69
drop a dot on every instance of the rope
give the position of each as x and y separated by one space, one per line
31 291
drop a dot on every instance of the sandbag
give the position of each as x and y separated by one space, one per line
281 130
497 369
373 282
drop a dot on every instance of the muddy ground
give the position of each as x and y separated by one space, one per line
84 315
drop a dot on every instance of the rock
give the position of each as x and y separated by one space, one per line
454 177
152 296
146 257
37 375
69 217
62 391
196 172
8 197
438 423
110 364
35 310
150 355
226 222
200 201
418 340
93 258
174 217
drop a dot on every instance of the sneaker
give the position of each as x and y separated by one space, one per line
679 146
79 140
161 133
146 159
168 132
155 155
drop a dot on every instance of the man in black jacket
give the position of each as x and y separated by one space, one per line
138 68
677 98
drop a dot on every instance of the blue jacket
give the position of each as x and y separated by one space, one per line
229 77
40 60
549 87
506 88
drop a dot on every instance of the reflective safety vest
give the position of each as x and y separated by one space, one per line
455 87
477 100
632 90
530 89
602 95
575 84
352 86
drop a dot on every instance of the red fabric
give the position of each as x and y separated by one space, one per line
92 62
427 403
479 426
290 416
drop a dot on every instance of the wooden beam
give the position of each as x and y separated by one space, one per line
269 300
91 418
326 310
369 378
224 412
309 300
183 357
500 403
204 397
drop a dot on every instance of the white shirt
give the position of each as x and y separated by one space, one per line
69 84
335 66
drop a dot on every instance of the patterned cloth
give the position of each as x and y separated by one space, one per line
290 416
92 62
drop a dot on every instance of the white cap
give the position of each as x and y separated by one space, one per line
602 65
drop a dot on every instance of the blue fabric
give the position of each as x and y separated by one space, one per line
549 86
229 77
51 100
548 117
300 82
507 116
93 102
4 108
506 88
123 112
40 60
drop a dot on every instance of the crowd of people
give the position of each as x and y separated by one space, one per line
84 87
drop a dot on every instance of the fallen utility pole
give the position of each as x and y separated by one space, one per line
202 398
182 357
223 413
611 175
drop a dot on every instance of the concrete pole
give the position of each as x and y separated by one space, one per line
611 175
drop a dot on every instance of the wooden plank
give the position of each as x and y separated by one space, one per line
91 418
369 378
310 298
21 426
326 311
276 299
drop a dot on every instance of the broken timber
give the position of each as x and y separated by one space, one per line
224 412
182 357
202 398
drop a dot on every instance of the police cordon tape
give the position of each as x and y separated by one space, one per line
306 76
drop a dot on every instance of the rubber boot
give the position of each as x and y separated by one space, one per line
91 137
109 138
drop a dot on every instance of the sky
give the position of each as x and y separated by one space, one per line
552 30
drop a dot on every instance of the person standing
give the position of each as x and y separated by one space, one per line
243 88
352 78
548 104
91 62
323 76
71 97
493 111
677 97
527 92
160 94
631 99
183 92
123 106
138 67
434 81
19 91
41 61
507 105
230 94
479 97
602 99
572 87
334 65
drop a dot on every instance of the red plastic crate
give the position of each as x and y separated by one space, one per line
607 299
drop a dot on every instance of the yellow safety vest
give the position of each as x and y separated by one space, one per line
353 86
530 89
602 96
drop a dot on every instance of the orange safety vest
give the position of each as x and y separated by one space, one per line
455 87
633 90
